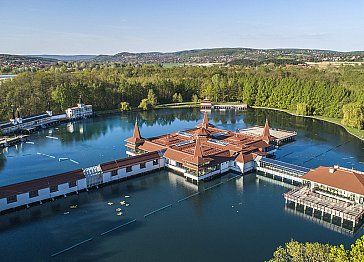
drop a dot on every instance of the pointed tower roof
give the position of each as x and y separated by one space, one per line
198 149
136 138
205 122
266 134
198 158
136 133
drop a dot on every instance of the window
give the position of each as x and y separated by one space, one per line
72 184
114 173
142 165
33 193
54 188
155 162
12 199
129 169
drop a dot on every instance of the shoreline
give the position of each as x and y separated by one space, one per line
322 118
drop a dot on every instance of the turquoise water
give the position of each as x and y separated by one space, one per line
241 219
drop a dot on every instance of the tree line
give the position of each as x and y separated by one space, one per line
294 251
333 92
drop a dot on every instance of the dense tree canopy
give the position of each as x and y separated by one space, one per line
307 90
294 251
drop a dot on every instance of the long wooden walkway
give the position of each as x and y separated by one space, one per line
282 170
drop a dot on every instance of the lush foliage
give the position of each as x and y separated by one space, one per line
294 251
353 115
125 106
308 91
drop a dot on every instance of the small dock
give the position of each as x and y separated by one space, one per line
280 136
236 107
10 141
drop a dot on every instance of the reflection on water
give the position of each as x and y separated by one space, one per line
345 229
238 211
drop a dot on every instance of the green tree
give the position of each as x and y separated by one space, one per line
353 115
195 98
303 109
125 106
145 104
152 98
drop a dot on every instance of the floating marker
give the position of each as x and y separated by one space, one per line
214 186
62 159
45 155
52 137
188 197
123 225
157 210
71 247
73 161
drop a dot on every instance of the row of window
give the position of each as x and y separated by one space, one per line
71 184
130 168
35 193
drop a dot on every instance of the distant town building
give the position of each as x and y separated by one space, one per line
79 111
19 124
206 104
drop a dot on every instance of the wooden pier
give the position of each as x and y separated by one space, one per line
9 141
303 196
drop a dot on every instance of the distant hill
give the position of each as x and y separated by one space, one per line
24 59
67 57
231 55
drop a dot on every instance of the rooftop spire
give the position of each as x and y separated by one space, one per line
266 134
205 121
198 149
136 131
49 105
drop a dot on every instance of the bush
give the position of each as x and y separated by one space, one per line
125 106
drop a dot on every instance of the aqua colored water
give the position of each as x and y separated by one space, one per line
241 219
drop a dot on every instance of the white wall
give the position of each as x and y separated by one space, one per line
43 194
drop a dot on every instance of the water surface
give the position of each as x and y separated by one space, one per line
241 219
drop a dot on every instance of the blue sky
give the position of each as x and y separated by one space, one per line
110 26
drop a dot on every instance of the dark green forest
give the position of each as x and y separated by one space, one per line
332 92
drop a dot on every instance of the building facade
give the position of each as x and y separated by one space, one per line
206 151
79 111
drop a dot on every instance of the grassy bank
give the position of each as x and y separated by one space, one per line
353 131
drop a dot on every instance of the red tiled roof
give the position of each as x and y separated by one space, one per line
40 183
244 158
347 180
129 161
